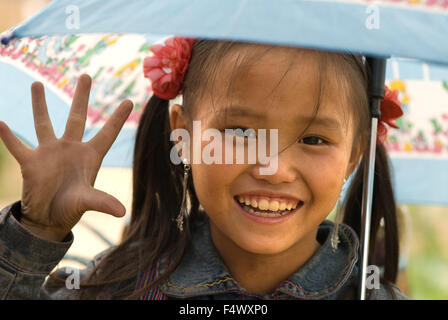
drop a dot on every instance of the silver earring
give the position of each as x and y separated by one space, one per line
338 220
183 213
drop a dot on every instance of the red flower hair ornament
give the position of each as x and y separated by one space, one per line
390 111
167 66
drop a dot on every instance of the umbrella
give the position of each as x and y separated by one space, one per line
378 30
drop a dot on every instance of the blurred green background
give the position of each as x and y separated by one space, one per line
425 236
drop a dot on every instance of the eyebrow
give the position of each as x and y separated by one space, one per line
322 121
245 112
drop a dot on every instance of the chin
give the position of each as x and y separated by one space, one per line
264 244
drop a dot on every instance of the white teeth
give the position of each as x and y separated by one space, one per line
274 205
254 203
265 214
265 204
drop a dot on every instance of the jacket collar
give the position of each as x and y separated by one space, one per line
202 271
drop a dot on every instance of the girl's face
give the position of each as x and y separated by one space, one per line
310 172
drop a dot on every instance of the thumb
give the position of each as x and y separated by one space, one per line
101 201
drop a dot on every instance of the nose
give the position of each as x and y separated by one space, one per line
286 167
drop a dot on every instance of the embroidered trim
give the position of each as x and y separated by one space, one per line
145 280
200 285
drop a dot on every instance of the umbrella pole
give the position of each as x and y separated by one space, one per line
367 208
376 94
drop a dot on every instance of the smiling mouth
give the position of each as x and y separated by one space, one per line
268 213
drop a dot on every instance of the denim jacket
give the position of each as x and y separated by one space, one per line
26 260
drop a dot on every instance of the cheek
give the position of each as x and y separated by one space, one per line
213 178
324 176
213 185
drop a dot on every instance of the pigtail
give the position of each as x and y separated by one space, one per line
384 203
154 176
384 212
157 185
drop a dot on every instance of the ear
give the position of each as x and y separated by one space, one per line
177 117
354 159
178 120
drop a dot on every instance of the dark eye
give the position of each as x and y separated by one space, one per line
313 140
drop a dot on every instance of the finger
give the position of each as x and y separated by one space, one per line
104 139
101 201
74 129
42 122
18 150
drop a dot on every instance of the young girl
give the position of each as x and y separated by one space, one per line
210 230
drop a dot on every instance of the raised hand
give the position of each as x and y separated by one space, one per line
58 176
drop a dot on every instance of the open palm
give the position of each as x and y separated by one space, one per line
58 176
